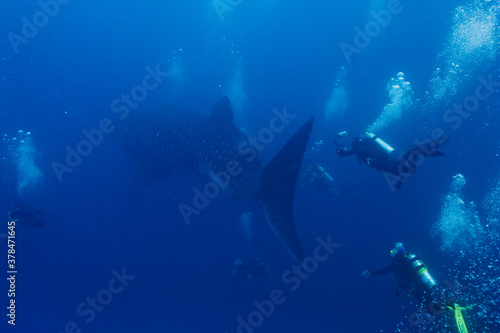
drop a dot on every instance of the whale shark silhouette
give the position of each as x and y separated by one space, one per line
211 146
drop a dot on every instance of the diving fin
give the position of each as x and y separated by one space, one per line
427 148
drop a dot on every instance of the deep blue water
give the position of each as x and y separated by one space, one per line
62 78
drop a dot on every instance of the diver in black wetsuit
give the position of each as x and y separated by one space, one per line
410 272
248 269
320 179
377 154
27 216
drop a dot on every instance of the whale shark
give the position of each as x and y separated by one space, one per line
174 138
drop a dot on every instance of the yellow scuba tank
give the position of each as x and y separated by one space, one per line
384 145
421 269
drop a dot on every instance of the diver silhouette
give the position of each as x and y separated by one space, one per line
320 179
27 216
376 153
411 274
249 269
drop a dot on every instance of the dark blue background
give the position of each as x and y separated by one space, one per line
64 80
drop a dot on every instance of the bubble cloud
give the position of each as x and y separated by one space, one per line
401 95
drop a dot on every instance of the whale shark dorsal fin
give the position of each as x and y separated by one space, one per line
221 117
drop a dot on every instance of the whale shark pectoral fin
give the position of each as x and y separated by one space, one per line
277 189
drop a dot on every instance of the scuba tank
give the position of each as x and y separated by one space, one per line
421 269
325 174
380 142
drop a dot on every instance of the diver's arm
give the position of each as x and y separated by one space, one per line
383 271
341 149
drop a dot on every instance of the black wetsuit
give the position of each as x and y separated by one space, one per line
406 276
251 268
368 151
377 154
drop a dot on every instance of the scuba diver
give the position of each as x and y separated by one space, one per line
27 216
316 175
377 154
248 269
410 272
320 179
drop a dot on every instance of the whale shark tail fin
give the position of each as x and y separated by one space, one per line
277 189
